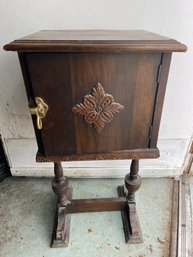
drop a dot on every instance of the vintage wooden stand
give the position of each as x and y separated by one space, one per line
95 95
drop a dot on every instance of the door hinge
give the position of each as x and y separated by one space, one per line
150 132
159 74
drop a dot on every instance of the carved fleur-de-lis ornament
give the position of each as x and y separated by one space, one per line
98 108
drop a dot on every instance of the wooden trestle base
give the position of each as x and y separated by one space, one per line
124 203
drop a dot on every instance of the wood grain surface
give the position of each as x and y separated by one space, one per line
95 41
62 80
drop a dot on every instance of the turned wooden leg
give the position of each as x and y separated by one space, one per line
129 215
62 221
60 184
132 180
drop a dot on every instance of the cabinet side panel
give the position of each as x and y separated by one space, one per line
166 59
30 95
144 99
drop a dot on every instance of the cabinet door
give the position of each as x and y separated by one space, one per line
62 80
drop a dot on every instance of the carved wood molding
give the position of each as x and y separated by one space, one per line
98 108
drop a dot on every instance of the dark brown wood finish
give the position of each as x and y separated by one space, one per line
116 81
97 205
95 41
73 76
116 155
62 220
132 180
161 88
131 225
93 36
30 96
60 184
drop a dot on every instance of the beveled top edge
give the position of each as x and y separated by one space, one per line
97 40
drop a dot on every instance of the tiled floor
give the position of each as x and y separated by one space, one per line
27 207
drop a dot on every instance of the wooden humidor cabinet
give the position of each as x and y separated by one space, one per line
95 95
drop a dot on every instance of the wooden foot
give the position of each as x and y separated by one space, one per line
61 231
62 220
131 225
130 219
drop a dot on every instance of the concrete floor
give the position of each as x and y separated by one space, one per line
191 195
27 207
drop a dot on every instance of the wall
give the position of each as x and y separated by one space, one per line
171 18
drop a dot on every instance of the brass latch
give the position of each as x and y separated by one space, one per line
40 111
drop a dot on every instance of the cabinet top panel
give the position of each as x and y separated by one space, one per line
95 41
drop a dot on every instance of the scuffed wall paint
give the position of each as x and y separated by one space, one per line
15 120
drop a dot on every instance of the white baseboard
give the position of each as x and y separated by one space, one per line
21 156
